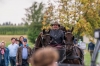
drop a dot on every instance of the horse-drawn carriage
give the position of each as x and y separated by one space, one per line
73 55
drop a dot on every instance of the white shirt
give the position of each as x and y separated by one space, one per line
13 49
82 45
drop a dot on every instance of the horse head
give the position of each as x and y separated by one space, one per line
46 37
63 28
69 40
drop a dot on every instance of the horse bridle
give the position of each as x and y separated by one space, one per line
43 39
68 43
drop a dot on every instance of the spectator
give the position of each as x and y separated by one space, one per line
21 40
26 42
17 41
23 54
91 46
45 57
0 46
4 55
13 51
79 42
75 41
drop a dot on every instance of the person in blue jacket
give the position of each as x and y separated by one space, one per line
91 46
4 55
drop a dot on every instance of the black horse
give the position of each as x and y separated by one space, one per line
42 40
73 54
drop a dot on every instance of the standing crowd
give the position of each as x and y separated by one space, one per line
17 53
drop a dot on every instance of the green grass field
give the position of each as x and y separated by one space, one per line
7 38
87 58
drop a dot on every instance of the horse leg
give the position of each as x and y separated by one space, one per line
72 61
75 61
66 61
80 54
61 54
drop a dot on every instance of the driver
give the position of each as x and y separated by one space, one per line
57 38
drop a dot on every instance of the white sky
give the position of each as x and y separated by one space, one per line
14 10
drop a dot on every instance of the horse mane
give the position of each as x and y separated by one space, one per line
38 41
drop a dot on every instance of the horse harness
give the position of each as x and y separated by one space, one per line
42 36
42 40
65 57
69 56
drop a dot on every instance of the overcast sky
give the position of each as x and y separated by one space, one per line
14 10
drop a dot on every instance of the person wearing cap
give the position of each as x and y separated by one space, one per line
57 39
23 54
24 40
56 34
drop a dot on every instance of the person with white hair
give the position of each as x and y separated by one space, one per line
4 55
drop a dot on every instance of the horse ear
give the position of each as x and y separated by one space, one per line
72 29
43 31
65 29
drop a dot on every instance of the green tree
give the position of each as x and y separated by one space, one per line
84 15
34 16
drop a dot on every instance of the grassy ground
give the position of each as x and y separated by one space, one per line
87 58
7 38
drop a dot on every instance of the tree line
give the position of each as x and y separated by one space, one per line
8 23
12 30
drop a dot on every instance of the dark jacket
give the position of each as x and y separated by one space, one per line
91 46
20 43
75 41
57 36
6 57
19 55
